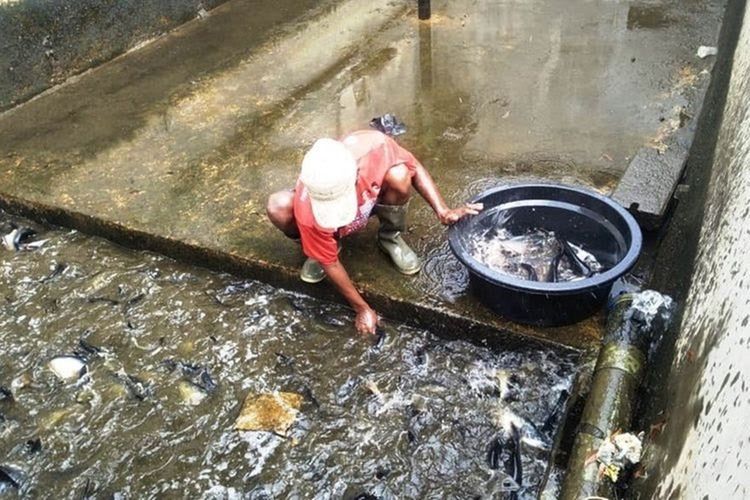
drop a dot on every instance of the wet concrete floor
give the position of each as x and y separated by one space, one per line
184 138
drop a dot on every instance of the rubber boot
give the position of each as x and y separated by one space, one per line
312 271
392 223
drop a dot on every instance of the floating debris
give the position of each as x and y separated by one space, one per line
68 367
20 382
274 412
196 374
705 51
619 451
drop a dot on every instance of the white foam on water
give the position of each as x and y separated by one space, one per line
650 304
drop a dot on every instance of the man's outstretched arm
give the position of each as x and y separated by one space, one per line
367 319
426 187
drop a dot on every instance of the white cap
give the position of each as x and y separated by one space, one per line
329 172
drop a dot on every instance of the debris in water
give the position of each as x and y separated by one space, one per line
20 382
706 51
198 375
365 496
68 367
619 451
275 412
649 305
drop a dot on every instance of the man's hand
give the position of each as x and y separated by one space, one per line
450 217
366 320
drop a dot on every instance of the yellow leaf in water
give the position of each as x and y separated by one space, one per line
269 412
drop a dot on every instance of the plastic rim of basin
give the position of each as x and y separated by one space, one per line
561 288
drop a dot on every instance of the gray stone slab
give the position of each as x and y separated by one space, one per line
647 186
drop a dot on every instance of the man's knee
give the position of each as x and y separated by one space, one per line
398 181
280 208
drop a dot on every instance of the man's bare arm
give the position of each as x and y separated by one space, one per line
366 320
426 187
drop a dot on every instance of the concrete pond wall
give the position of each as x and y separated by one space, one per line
43 42
697 422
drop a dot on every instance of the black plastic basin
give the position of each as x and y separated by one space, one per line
582 217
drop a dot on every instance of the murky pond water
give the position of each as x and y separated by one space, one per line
127 430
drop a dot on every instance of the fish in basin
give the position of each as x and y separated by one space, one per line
535 255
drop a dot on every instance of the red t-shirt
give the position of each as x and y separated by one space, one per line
375 153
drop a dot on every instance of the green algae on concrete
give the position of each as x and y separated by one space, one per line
176 146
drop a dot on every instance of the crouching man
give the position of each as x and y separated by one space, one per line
343 183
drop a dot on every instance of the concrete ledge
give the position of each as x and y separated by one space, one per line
648 184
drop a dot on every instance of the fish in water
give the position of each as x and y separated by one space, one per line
68 367
555 262
283 359
379 338
57 271
6 394
10 476
197 375
17 237
86 351
530 271
581 267
504 452
554 416
34 445
137 387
